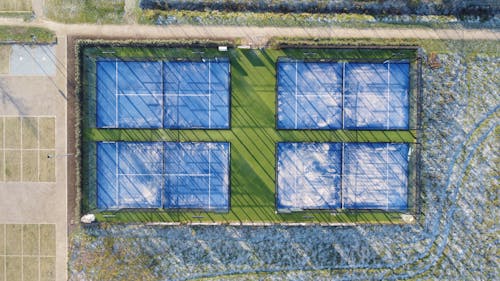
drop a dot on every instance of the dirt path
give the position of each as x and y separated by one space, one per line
252 35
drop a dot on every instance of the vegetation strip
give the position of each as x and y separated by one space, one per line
26 35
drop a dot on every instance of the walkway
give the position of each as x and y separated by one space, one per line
252 34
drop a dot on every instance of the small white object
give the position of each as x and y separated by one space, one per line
408 218
222 48
88 218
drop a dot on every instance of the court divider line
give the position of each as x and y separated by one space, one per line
21 150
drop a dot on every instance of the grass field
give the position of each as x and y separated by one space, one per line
25 143
15 5
79 11
252 136
23 34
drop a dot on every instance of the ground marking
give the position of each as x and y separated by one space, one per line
21 166
209 103
116 93
296 90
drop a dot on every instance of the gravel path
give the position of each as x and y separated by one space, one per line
255 35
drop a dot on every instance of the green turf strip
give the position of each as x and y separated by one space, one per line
252 136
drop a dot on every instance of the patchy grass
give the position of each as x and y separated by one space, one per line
23 34
30 240
48 240
30 165
12 127
13 242
85 11
47 127
252 136
15 5
47 269
30 132
5 58
13 165
47 169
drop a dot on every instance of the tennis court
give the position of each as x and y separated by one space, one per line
376 96
309 95
342 176
197 95
129 175
197 175
163 94
375 176
163 175
334 95
309 175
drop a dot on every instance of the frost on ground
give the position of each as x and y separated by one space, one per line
456 238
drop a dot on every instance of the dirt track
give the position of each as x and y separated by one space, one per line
252 35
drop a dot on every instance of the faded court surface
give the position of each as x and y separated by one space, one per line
27 252
33 157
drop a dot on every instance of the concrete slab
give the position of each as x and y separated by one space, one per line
41 92
33 60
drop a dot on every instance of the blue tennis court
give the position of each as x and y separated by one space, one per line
376 96
163 94
308 175
342 176
309 95
375 176
129 175
129 94
197 95
332 95
197 175
163 175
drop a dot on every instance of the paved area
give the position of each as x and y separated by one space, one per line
37 96
27 252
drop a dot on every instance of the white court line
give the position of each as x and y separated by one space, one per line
343 94
188 175
140 174
296 172
162 97
187 95
28 256
209 175
342 176
116 173
39 253
296 90
21 166
141 95
34 116
116 93
22 248
388 90
387 176
5 251
209 108
4 160
314 95
28 149
38 146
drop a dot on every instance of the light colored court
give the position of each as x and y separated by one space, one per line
33 167
27 252
27 149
